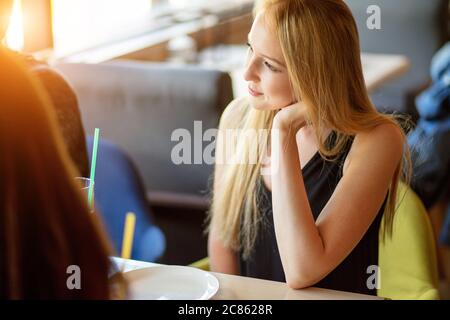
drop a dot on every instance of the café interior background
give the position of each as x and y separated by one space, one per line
190 56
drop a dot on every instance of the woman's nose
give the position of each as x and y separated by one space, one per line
251 71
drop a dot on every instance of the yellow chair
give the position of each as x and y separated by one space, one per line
201 264
407 261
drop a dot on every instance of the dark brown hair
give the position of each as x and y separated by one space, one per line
45 223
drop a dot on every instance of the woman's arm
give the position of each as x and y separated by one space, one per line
221 258
311 249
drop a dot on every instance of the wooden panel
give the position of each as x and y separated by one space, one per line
157 53
231 31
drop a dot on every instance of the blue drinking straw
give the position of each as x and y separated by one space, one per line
93 162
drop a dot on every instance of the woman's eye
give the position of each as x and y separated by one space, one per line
271 67
249 46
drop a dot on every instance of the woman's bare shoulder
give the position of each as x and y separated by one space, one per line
384 140
387 136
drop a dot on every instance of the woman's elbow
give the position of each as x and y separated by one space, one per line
301 279
298 282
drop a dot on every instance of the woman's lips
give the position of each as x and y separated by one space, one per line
254 93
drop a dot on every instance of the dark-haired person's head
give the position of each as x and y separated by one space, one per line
63 99
46 227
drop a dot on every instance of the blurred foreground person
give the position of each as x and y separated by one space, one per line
51 246
62 96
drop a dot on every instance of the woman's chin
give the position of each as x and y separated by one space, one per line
259 103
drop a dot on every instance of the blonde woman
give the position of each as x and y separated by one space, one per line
314 219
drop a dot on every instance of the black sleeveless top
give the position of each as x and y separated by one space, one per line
321 178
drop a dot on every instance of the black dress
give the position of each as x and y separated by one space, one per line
321 178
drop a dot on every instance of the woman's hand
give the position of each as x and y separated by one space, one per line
291 118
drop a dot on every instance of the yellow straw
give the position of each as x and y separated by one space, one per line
127 242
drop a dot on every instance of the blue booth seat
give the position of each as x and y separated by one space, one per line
118 190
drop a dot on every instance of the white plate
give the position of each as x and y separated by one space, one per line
171 283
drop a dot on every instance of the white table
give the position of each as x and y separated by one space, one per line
245 288
377 68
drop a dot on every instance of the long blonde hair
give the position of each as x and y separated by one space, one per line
319 41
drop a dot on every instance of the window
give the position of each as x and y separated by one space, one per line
14 38
84 24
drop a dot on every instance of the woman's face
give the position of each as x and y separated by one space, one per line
268 81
